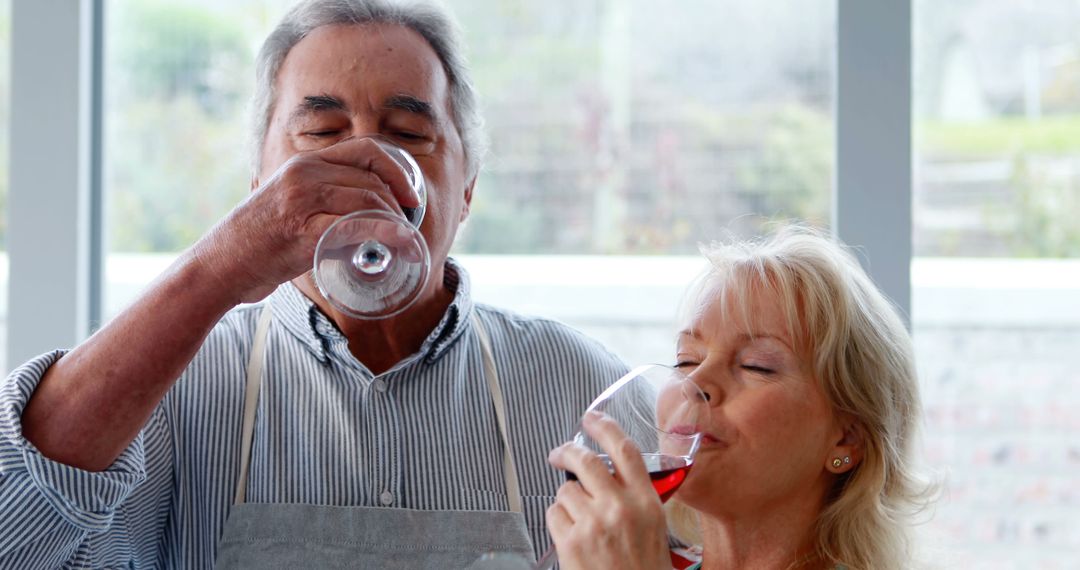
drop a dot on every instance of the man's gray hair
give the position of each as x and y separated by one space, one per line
429 20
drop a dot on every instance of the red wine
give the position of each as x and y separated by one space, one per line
666 471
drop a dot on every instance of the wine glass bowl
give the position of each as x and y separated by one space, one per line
661 411
374 264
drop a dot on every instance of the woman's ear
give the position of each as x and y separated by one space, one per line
847 451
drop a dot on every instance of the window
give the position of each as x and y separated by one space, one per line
604 117
178 76
608 123
996 278
600 140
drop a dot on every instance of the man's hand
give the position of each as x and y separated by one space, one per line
270 238
92 403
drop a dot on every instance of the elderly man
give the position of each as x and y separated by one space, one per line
417 441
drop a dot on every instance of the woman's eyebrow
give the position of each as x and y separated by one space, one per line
688 333
752 336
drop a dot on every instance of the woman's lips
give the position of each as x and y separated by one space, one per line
706 437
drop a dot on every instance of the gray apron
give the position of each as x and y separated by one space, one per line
261 535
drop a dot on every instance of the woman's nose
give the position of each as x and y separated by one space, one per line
708 384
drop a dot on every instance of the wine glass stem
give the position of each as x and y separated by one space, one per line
548 560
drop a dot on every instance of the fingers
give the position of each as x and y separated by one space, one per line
341 244
341 200
559 521
571 521
624 453
592 471
367 155
574 499
603 521
353 177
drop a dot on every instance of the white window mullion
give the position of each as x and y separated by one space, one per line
872 195
49 226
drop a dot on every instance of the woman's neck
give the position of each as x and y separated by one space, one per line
782 539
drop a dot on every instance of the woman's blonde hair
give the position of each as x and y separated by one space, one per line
861 354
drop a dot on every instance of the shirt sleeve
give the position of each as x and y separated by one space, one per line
52 514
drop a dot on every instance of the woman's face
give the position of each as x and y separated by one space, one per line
771 434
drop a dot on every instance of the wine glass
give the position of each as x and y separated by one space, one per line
373 264
663 412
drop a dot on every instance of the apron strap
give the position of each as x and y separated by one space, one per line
254 384
251 397
513 488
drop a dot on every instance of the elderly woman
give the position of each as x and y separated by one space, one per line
805 460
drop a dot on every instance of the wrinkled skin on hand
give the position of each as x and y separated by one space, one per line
270 238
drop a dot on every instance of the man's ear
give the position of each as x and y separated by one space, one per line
849 446
466 204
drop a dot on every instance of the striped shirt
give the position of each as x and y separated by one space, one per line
422 435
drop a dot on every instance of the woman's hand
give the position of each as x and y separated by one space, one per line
604 520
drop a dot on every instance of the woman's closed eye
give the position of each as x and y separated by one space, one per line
757 368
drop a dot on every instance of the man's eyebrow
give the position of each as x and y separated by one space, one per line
322 102
315 103
410 104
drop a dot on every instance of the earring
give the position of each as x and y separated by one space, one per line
837 463
847 459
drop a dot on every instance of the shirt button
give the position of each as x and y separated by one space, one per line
379 384
386 498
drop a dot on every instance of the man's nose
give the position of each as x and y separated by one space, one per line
362 128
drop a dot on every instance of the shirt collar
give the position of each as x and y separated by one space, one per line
301 318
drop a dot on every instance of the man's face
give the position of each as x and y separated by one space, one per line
346 81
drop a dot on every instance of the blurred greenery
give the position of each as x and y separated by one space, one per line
1049 209
1037 218
496 226
168 188
1000 136
178 78
793 172
170 50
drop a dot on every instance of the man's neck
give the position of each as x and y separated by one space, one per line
381 343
